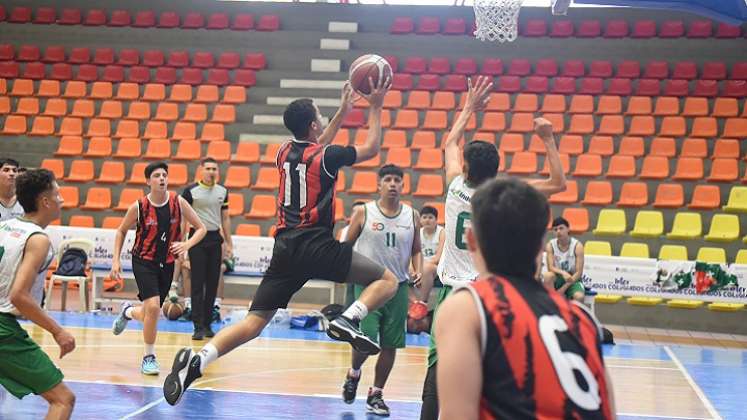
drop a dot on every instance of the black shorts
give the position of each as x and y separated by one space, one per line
152 278
300 255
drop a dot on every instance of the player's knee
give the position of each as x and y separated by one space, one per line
68 399
548 279
61 395
151 307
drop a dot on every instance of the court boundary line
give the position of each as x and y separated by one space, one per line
694 385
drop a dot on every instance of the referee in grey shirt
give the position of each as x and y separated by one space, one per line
210 201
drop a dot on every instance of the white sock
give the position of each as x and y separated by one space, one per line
187 302
355 373
356 311
208 354
150 349
217 302
128 312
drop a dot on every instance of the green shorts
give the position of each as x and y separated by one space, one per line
24 368
388 324
572 290
443 293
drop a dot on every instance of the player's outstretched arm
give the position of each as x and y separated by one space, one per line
37 247
477 99
375 99
347 100
556 182
459 357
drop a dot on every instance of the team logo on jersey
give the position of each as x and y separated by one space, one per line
377 226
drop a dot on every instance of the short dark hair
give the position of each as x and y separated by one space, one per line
153 166
483 161
9 162
390 169
208 160
358 203
510 247
429 210
298 116
558 221
30 185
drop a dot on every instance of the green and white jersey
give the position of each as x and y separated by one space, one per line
565 260
388 240
7 213
456 266
13 236
429 244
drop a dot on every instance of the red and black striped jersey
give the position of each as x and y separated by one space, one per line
542 356
308 173
157 229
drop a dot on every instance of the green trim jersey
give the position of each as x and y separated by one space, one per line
429 244
456 266
565 260
7 213
388 240
13 236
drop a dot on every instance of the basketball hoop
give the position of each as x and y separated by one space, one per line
497 20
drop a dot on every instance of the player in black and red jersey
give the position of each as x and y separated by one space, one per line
509 348
304 245
158 218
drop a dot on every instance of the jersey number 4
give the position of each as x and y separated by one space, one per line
301 168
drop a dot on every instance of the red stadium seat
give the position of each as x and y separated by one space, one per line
672 29
589 29
45 16
644 29
178 59
561 29
509 84
7 52
686 70
535 28
114 74
706 88
620 87
519 67
79 55
243 22
402 81
28 53
191 76
600 68
153 58
165 75
168 20
402 25
735 88
268 23
139 74
203 60
103 56
455 83
656 70
591 86
255 61
714 70
128 57
428 25
70 17
229 60
492 67
20 15
564 85
648 87
34 71
455 26
87 73
217 21
466 66
616 28
144 19
61 71
95 17
219 77
54 54
739 71
244 77
9 69
629 69
415 65
193 20
700 29
120 18
573 68
547 67
724 30
439 65
537 84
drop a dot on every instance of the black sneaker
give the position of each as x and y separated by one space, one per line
199 333
375 404
185 370
209 333
349 388
348 330
216 313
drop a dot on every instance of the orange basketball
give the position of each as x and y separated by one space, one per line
368 66
172 310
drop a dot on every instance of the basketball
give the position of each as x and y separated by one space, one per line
368 66
172 310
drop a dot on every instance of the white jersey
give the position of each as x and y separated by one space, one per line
456 266
13 236
565 261
7 213
429 244
388 240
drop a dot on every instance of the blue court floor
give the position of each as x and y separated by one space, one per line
719 375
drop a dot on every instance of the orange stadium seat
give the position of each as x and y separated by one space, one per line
239 177
631 146
399 156
493 121
22 87
184 131
263 207
188 150
370 163
696 107
669 196
633 194
128 148
430 159
663 146
601 145
178 174
101 90
212 132
56 166
219 150
154 92
654 167
434 120
111 222
565 162
248 229
363 183
127 197
236 204
393 139
423 140
83 108
581 124
180 93
55 107
523 163
672 127
511 143
724 170
99 127
267 179
207 94
429 186
418 99
569 196
571 145
195 113
111 173
75 89
80 220
156 130
588 165
139 111
80 171
553 103
70 195
246 152
234 95
127 92
639 105
158 149
270 153
111 109
725 107
578 218
598 193
705 197
688 169
14 124
99 147
695 148
641 125
43 126
166 111
70 146
581 104
48 89
27 106
4 104
526 102
726 149
223 113
704 127
667 106
621 167
127 129
609 105
98 198
522 123
445 101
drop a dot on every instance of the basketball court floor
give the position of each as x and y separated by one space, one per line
290 374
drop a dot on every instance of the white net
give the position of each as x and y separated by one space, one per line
497 20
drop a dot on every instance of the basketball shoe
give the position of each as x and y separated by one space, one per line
348 330
186 368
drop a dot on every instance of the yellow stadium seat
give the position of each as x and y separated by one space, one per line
644 300
684 304
634 250
711 255
607 298
648 224
673 253
601 248
611 222
737 200
741 257
725 307
686 226
724 228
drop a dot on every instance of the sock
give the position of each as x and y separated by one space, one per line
187 302
128 312
217 302
354 373
150 349
208 354
375 389
356 311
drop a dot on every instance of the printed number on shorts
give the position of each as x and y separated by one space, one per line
301 168
463 222
566 363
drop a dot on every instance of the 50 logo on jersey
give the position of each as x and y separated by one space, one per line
377 226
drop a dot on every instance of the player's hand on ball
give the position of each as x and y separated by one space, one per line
179 248
66 342
478 95
543 128
378 91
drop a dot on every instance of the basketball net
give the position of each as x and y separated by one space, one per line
497 20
